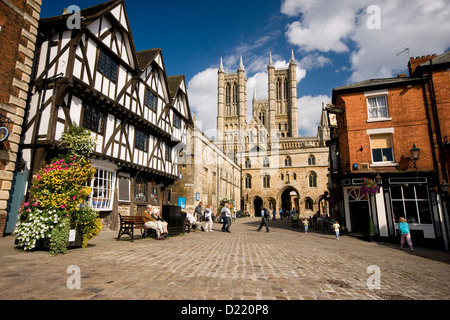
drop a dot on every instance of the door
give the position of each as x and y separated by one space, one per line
17 194
359 213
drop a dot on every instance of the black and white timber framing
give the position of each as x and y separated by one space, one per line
139 116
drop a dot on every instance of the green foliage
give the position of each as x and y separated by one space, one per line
88 223
59 193
78 141
60 237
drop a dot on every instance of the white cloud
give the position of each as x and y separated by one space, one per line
313 61
324 25
423 27
341 27
202 94
309 113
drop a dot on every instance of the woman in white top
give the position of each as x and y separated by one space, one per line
208 219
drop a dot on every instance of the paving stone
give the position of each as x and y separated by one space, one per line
284 264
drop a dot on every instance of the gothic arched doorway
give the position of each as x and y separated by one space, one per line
257 204
290 199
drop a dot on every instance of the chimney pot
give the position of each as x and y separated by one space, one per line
65 11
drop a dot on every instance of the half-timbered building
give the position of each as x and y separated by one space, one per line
93 76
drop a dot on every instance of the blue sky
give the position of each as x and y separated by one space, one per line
336 42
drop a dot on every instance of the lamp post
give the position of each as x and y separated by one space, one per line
415 152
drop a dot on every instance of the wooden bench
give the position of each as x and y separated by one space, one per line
129 223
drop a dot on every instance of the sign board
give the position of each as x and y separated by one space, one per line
182 202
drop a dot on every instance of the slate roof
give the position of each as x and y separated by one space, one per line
87 13
145 57
442 59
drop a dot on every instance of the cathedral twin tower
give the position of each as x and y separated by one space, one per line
272 119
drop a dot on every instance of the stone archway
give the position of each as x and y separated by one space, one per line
257 206
290 198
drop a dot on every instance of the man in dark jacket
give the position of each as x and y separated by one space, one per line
198 212
265 215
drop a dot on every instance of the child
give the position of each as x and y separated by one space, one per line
208 219
306 224
405 233
336 228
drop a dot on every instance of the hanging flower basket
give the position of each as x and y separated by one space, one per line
369 187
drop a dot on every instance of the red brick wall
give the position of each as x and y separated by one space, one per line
407 111
19 21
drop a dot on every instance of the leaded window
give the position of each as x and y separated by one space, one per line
107 66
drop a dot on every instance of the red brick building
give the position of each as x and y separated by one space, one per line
379 123
19 21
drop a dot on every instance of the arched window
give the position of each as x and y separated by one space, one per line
248 163
286 96
266 182
282 177
295 176
266 163
278 88
311 160
248 182
288 162
228 94
308 204
235 93
313 180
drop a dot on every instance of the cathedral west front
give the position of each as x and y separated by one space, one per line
279 169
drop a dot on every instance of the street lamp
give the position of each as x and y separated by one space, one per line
415 152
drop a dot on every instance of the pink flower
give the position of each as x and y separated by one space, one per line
63 206
26 204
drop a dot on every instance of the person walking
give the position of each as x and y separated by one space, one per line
226 218
306 224
265 215
198 212
274 213
208 219
336 228
404 233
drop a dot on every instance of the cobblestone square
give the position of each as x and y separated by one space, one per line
284 264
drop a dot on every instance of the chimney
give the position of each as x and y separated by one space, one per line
402 75
415 62
65 11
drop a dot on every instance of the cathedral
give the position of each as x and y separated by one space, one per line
280 170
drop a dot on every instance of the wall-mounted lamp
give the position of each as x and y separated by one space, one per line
361 149
379 180
444 186
415 152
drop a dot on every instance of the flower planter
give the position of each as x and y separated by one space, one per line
74 242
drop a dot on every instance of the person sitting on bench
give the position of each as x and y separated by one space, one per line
164 224
151 222
193 221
